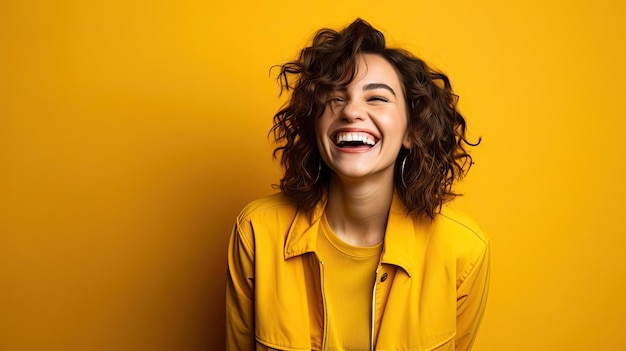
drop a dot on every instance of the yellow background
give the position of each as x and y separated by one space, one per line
132 132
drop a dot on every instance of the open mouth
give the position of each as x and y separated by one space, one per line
355 140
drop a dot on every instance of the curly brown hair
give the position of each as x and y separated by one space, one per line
424 174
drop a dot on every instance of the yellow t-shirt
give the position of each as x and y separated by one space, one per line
348 285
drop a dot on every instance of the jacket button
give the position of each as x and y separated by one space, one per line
383 278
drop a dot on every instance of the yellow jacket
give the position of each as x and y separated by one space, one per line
430 291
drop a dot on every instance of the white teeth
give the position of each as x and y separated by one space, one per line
362 137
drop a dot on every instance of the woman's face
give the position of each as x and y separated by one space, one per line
363 127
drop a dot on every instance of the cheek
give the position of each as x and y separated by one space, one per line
321 125
397 126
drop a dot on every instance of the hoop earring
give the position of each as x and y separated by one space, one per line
402 168
319 170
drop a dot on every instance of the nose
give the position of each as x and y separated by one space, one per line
352 112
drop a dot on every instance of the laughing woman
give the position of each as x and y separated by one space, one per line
359 250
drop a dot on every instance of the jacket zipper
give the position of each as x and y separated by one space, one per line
325 307
373 311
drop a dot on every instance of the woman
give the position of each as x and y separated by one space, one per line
359 250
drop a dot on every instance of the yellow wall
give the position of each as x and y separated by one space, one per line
132 132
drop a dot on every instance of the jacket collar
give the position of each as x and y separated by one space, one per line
399 242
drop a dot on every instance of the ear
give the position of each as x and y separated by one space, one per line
407 142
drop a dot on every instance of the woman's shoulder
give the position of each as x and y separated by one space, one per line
460 229
265 222
465 239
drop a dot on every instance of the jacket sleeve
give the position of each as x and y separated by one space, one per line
240 332
471 301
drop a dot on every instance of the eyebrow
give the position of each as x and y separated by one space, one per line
373 86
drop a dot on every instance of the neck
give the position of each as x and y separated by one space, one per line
357 211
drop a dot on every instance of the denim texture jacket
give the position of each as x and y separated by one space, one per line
430 291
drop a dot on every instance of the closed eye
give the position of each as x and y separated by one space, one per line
336 100
378 98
